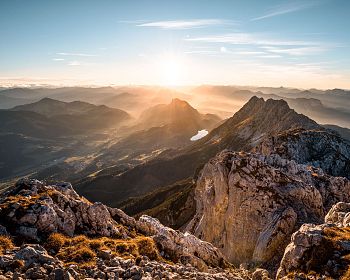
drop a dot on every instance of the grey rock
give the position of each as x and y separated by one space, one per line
249 204
183 245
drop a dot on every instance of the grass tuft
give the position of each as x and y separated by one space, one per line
82 250
5 244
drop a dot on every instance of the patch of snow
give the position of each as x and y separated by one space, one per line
199 135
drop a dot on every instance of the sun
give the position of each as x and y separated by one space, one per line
171 69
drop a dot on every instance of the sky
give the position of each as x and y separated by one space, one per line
302 44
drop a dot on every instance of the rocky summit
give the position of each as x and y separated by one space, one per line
50 232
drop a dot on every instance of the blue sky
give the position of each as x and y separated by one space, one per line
272 43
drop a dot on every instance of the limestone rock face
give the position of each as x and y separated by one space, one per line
322 248
248 205
339 215
317 147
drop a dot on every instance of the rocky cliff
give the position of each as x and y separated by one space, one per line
50 232
248 205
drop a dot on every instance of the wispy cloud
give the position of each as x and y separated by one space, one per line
270 56
241 52
299 51
58 59
185 24
248 39
249 52
75 54
201 52
286 8
264 46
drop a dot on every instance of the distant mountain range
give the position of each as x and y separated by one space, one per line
327 106
81 138
50 118
43 132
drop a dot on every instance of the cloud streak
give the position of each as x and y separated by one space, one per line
248 39
76 54
311 50
185 24
286 9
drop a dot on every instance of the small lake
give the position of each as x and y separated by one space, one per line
199 135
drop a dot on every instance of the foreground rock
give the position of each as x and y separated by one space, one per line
248 205
60 235
33 262
186 247
320 250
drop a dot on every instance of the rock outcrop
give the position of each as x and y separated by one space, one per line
185 246
33 209
248 204
319 148
72 238
320 250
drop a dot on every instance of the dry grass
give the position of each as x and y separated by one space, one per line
337 234
82 250
27 201
5 244
81 255
24 201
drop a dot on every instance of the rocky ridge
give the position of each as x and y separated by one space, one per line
317 147
248 205
59 235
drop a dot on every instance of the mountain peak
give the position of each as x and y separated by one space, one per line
269 103
179 103
260 108
180 113
257 119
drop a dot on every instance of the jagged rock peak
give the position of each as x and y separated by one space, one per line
273 110
256 120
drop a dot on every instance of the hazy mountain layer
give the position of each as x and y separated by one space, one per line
255 121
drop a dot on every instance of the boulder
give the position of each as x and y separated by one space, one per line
182 246
321 249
